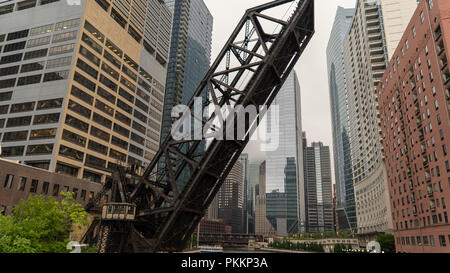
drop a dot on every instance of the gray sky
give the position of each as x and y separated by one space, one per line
311 68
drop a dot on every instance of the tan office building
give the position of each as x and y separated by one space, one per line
82 86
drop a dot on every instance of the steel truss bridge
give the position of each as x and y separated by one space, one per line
173 193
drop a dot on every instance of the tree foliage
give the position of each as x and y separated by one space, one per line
314 247
41 226
387 242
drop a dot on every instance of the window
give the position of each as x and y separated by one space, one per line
41 30
119 19
38 41
15 136
26 4
108 83
83 195
62 49
117 155
11 58
4 109
95 162
106 95
29 80
22 184
13 151
45 188
87 69
91 57
71 153
100 133
43 134
123 118
14 47
45 165
93 44
42 149
442 241
11 70
95 32
67 24
112 59
59 62
104 108
122 105
84 81
34 185
46 119
97 147
121 130
131 63
66 169
78 93
126 95
119 143
19 121
67 36
17 35
55 190
74 138
5 10
77 124
75 193
90 176
22 107
111 46
49 104
35 54
102 120
32 67
7 83
79 109
108 69
8 181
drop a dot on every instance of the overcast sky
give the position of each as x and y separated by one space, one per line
311 68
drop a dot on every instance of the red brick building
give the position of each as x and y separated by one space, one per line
19 181
413 98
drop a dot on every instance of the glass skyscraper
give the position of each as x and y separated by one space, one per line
284 166
190 54
342 155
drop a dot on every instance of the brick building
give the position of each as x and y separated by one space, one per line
413 97
18 182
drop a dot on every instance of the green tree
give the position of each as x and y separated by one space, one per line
387 242
41 226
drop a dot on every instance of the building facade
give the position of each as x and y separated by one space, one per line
318 188
366 56
338 102
262 224
243 159
18 182
414 107
82 86
230 199
287 155
190 54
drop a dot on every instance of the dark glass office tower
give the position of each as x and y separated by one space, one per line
342 154
190 54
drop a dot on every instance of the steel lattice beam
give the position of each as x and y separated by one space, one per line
250 70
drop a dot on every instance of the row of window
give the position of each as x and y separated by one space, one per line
46 188
423 241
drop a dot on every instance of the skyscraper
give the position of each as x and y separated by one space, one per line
341 143
319 192
230 199
414 109
366 57
190 54
243 159
288 156
82 86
